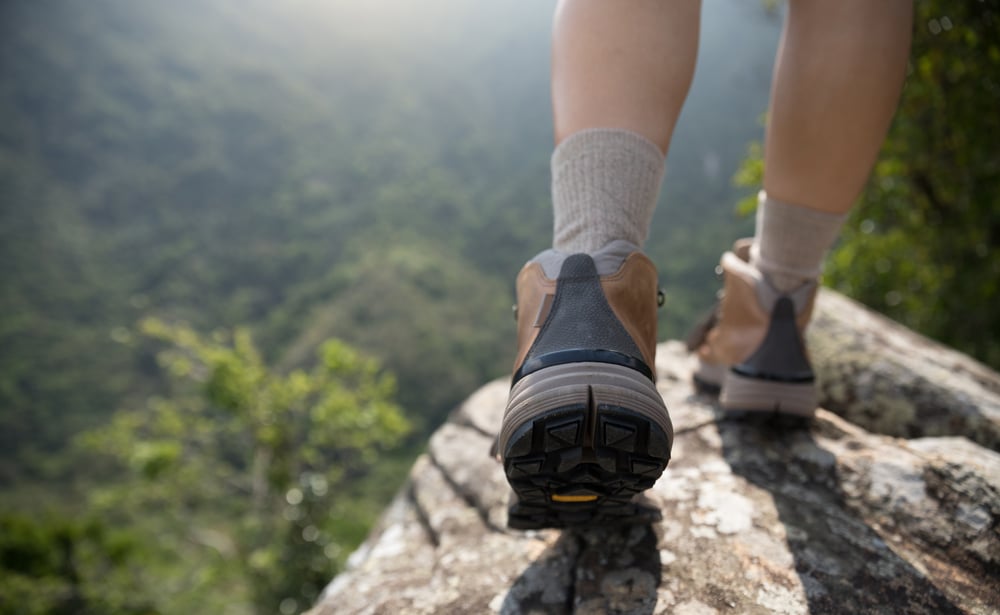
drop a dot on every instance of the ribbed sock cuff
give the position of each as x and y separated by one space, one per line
605 184
791 241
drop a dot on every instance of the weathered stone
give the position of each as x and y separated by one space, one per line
888 379
758 517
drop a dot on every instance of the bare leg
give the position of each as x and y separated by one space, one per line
624 64
837 80
620 73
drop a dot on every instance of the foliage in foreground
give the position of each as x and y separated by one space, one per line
54 566
234 477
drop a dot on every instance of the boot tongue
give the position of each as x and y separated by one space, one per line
608 259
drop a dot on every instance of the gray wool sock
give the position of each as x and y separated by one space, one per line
791 241
605 184
607 260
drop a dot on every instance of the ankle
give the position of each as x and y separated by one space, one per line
791 242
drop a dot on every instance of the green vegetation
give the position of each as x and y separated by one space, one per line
240 478
54 566
246 467
219 222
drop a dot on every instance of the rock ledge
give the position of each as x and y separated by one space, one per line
757 518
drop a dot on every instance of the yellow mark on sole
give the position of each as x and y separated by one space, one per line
573 498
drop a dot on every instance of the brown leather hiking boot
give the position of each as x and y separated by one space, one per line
585 429
751 348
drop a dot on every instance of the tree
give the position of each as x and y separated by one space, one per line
235 475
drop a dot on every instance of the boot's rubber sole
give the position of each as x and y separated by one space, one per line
579 441
746 396
708 378
742 394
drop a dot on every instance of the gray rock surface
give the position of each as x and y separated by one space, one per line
888 379
757 517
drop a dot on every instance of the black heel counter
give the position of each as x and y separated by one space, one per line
581 326
781 357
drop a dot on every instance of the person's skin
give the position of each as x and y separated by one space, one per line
623 64
837 80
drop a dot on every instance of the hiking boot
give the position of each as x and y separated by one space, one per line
585 429
751 348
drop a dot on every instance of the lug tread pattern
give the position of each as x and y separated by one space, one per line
596 450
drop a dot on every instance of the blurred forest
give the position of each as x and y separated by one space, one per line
255 251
